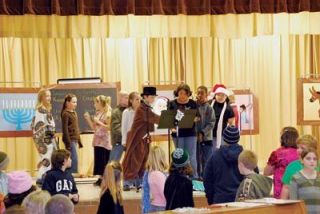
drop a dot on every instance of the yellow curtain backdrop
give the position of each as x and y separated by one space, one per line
268 65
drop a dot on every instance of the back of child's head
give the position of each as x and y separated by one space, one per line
231 135
289 136
157 160
305 152
111 180
58 157
308 140
105 101
248 159
180 162
19 186
59 204
4 161
35 202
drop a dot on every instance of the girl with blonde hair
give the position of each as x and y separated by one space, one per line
43 128
100 123
110 197
154 180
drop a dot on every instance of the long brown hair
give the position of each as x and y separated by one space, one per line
111 181
41 94
67 98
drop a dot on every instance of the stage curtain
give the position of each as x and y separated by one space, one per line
158 26
267 65
151 7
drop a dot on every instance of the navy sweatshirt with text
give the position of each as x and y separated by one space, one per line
59 182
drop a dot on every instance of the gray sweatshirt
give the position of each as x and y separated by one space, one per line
207 121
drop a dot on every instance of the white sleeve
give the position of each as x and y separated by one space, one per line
124 126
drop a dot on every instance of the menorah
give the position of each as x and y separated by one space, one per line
18 112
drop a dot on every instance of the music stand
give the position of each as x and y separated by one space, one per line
168 121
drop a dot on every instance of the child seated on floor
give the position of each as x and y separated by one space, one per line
253 186
19 187
35 202
178 186
58 180
59 204
111 197
153 199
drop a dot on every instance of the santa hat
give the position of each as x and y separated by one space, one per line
19 182
219 89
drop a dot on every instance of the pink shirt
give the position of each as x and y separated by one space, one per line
101 136
156 181
279 160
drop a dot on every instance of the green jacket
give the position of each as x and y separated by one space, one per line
254 186
116 117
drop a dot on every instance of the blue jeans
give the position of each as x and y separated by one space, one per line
189 144
116 152
205 153
154 208
74 157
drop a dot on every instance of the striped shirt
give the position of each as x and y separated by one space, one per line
307 190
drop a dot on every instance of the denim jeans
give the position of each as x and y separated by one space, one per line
189 144
205 153
116 152
74 157
154 208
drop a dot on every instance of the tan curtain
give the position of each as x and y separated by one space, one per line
268 65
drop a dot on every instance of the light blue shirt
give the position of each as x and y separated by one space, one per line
3 183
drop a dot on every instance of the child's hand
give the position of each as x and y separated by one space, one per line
96 119
86 115
75 197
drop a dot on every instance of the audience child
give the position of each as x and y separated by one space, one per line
4 161
35 202
304 142
253 186
110 197
280 158
59 204
178 186
221 175
154 180
59 180
101 143
70 129
19 187
305 184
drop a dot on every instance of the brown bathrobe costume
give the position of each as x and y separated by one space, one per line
137 149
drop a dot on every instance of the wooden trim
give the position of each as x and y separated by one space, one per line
255 105
19 90
16 133
84 85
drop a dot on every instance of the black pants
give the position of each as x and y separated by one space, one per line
101 157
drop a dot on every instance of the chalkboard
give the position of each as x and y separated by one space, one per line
85 94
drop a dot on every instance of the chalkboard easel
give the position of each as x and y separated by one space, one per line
85 93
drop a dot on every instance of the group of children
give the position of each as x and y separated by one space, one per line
208 151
